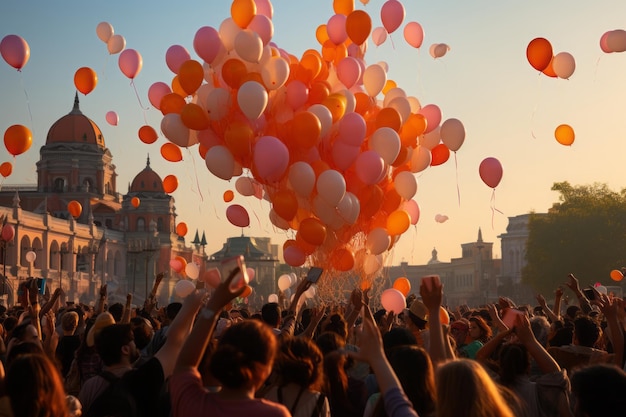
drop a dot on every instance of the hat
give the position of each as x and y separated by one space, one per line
419 309
103 320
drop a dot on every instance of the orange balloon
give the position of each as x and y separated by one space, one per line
171 152
190 76
170 183
242 12
321 34
177 88
363 103
319 91
391 200
342 259
313 231
233 72
304 246
85 80
183 264
398 222
371 199
202 150
75 208
440 154
310 66
194 117
564 134
181 229
344 7
147 134
388 117
285 204
616 275
306 129
358 26
238 137
246 291
6 168
388 86
135 202
549 70
539 53
403 285
172 103
228 196
17 139
337 104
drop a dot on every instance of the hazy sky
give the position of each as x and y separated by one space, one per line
509 111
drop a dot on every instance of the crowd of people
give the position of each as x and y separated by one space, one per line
207 356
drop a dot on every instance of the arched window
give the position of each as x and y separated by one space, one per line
141 224
88 185
59 185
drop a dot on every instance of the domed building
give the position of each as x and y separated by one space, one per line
118 240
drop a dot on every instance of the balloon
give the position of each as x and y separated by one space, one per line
294 256
379 35
405 184
342 259
8 232
374 79
432 113
420 159
252 99
262 26
170 183
30 256
312 231
194 117
116 44
272 298
85 80
614 41
147 134
190 76
212 277
183 288
207 43
220 161
403 285
130 63
302 178
392 300
228 196
249 46
284 282
104 30
564 134
242 12
181 229
414 34
175 56
413 209
238 215
441 218
172 103
358 26
275 72
440 154
438 50
386 142
271 158
452 134
490 171
616 275
6 168
135 202
348 71
369 167
444 317
378 241
15 51
539 53
392 14
75 208
17 139
112 118
192 270
398 222
331 186
564 65
156 92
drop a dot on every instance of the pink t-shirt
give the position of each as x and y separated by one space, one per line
190 399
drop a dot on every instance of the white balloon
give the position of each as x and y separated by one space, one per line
386 142
220 161
302 178
374 79
218 103
228 33
420 159
563 65
31 256
192 270
325 117
378 241
331 186
184 287
249 46
405 184
252 99
275 72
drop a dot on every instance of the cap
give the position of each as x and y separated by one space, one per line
419 309
103 320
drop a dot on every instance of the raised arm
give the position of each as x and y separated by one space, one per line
431 297
51 302
572 284
126 315
289 323
544 307
544 360
609 307
101 301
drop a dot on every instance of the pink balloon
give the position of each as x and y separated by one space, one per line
176 265
352 129
393 300
414 34
175 56
15 51
336 29
238 215
604 44
432 113
156 92
379 35
344 155
413 209
262 26
206 43
264 7
369 167
112 118
271 158
392 14
294 256
8 232
490 171
348 71
251 274
130 63
212 277
297 94
116 44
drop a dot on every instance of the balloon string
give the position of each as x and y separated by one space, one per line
493 207
195 172
132 82
458 190
393 46
30 114
595 73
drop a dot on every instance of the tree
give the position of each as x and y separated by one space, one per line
584 234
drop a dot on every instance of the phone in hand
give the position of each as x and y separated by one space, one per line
314 274
510 317
589 293
241 279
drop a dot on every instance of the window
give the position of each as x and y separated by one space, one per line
141 225
160 224
59 185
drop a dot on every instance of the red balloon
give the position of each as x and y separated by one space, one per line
75 208
440 154
490 171
170 184
85 80
539 53
135 202
147 134
8 232
15 51
6 169
238 215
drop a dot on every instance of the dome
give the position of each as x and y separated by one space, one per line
147 181
75 127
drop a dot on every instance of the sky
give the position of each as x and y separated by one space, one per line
509 111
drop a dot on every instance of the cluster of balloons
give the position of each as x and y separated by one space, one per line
115 43
613 41
541 57
328 139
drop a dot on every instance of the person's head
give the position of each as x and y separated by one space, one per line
514 362
465 389
244 355
69 321
142 331
562 336
417 315
586 331
270 313
329 342
415 371
19 349
299 361
459 330
35 387
25 332
541 329
115 345
598 391
336 323
74 407
479 329
398 336
117 311
572 312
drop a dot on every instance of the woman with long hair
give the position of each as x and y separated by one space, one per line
479 334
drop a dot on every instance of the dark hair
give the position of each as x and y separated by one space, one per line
172 309
110 340
562 337
299 361
337 324
398 336
572 311
35 387
599 390
142 331
514 361
270 313
484 327
117 311
9 323
244 349
586 331
329 342
20 349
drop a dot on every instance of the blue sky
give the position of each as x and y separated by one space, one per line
509 111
